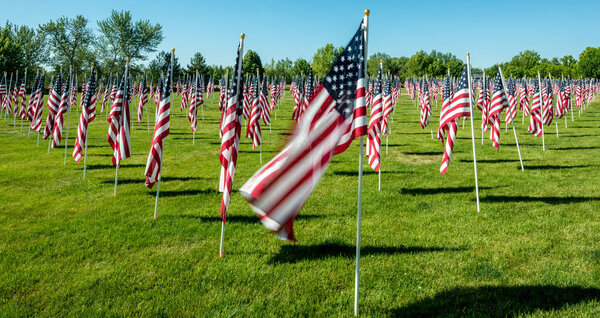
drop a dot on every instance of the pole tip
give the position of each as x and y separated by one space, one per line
92 64
61 68
242 36
381 61
126 60
367 12
173 50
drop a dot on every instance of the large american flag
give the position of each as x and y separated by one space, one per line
161 131
82 128
453 108
231 130
334 117
373 149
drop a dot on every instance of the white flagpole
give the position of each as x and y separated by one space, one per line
472 130
542 108
163 150
239 78
360 176
68 110
512 123
121 123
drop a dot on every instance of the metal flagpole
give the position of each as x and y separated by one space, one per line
148 102
541 104
196 88
163 150
24 101
117 152
512 123
360 177
472 130
68 109
16 107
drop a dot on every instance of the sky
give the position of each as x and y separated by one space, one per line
492 31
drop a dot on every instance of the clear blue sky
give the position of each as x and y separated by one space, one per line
493 31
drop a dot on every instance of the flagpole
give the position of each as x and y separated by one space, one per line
121 122
163 150
24 99
542 111
472 130
16 107
68 110
360 177
512 122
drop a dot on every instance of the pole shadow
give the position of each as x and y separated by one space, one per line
497 301
110 166
554 167
295 253
178 193
548 200
431 191
574 148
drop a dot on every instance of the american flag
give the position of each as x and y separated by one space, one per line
547 112
118 131
53 102
265 111
561 107
337 111
23 96
388 106
63 106
230 141
30 108
456 107
253 131
497 105
535 121
196 101
37 106
82 128
161 131
143 99
524 99
511 113
425 105
92 110
373 147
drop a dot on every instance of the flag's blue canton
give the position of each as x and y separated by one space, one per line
425 87
89 90
550 94
498 83
462 83
166 87
536 87
511 87
264 87
309 84
447 87
387 87
341 80
378 83
233 90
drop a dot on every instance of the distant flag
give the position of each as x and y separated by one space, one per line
498 103
53 102
253 131
143 98
373 147
535 122
37 108
60 114
82 128
118 131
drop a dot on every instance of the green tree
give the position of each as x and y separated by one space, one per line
301 67
418 64
11 54
160 64
71 39
373 63
324 58
32 44
197 62
252 62
284 67
125 39
589 62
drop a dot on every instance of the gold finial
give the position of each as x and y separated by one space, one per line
468 53
242 36
92 64
126 60
173 50
61 68
367 12
381 61
257 69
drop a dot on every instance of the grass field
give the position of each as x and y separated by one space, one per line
69 248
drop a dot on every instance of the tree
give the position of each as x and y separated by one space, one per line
373 63
11 56
32 45
589 62
418 64
324 58
301 67
252 62
284 67
70 39
197 62
160 65
126 39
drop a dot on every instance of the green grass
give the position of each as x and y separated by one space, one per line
69 248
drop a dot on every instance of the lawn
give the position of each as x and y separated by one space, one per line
69 248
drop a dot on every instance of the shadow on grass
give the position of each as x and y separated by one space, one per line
574 148
179 193
548 200
365 172
427 191
554 167
493 161
110 166
497 301
143 179
426 153
234 218
295 253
